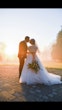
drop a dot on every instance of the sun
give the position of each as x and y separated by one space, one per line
10 50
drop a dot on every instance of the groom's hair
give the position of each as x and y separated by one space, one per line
27 38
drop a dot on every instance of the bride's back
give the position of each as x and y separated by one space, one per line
32 48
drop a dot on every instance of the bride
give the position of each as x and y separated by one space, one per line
39 74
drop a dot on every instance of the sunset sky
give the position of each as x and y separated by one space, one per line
43 24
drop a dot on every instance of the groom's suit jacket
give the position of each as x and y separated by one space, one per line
22 49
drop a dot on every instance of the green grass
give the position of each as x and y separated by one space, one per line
53 67
57 71
56 65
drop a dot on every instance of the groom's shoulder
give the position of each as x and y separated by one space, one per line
21 42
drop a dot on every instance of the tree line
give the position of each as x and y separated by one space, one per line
56 51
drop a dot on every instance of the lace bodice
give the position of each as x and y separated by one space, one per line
32 49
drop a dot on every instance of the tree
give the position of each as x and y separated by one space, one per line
56 52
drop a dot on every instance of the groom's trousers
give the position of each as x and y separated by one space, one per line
21 64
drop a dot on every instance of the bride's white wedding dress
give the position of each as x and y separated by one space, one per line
42 77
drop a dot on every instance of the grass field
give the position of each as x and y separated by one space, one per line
51 64
53 67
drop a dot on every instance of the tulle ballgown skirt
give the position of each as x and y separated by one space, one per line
42 77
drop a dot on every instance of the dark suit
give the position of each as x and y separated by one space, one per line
22 55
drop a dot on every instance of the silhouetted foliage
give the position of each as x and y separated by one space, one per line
56 52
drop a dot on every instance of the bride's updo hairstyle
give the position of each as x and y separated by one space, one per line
32 41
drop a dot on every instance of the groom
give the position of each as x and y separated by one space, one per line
22 53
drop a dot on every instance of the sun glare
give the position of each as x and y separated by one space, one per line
10 51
